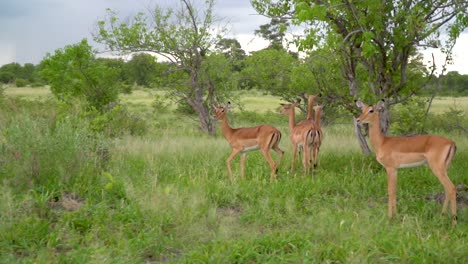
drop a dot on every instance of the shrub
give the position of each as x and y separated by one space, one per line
160 105
452 120
21 82
66 156
117 122
408 118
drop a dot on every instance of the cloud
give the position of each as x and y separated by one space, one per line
32 28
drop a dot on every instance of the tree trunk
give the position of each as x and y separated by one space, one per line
206 123
361 138
384 118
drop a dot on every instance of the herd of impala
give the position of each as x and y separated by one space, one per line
306 136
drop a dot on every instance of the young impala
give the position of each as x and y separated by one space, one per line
402 152
315 120
244 139
302 136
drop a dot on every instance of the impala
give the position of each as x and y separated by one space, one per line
315 120
402 152
319 137
245 139
310 109
302 136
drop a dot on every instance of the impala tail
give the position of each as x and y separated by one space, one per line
450 154
312 135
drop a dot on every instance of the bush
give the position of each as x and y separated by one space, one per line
63 157
117 122
160 105
408 118
452 120
21 82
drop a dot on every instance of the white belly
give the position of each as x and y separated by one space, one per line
250 148
414 164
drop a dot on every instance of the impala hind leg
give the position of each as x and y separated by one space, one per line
280 153
242 164
450 194
272 164
316 154
306 159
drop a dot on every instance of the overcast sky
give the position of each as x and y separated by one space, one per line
31 28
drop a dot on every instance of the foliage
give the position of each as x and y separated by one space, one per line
379 37
141 69
232 49
453 120
27 74
183 36
114 121
277 79
21 83
408 118
50 158
450 84
74 71
274 32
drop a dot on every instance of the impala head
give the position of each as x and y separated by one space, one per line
286 109
369 112
312 96
220 111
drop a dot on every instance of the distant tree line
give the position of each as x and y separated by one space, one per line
252 71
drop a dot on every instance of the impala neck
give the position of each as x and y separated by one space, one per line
225 128
292 119
375 134
310 104
318 113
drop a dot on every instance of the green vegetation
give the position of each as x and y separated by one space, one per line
73 195
117 166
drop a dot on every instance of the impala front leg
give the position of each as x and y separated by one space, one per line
294 151
228 162
392 189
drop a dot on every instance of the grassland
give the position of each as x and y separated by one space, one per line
166 197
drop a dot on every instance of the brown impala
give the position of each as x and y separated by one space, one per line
246 139
403 152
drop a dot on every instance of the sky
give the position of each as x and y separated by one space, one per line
29 29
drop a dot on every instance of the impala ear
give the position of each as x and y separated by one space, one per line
360 104
228 106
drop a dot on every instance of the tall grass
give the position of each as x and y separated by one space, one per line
166 197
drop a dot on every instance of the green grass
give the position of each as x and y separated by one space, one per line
166 197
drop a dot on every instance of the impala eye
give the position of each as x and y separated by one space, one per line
371 111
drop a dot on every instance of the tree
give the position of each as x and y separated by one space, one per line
232 49
270 70
379 37
10 72
141 69
74 71
182 36
274 32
